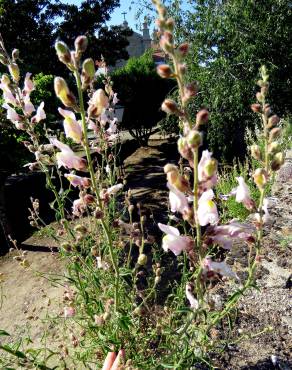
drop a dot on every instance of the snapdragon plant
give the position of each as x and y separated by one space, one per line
111 312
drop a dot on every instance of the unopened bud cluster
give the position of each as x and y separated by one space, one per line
273 158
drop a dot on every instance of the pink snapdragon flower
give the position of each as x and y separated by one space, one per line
79 207
207 170
115 99
173 240
28 108
114 189
67 158
220 268
112 127
72 128
11 113
98 103
207 210
177 200
28 85
40 114
266 217
225 235
8 97
242 194
75 180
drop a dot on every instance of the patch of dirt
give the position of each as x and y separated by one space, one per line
29 297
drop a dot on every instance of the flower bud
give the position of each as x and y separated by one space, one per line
158 271
194 139
260 177
257 108
267 109
169 106
157 280
264 73
182 68
15 55
202 117
273 121
63 52
210 167
164 71
260 97
190 90
277 161
274 133
14 71
88 71
169 24
170 168
255 152
274 147
166 45
81 43
63 93
98 102
3 59
183 49
142 259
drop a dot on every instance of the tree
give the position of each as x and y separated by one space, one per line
141 91
230 40
32 26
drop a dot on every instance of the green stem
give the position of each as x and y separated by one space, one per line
95 187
